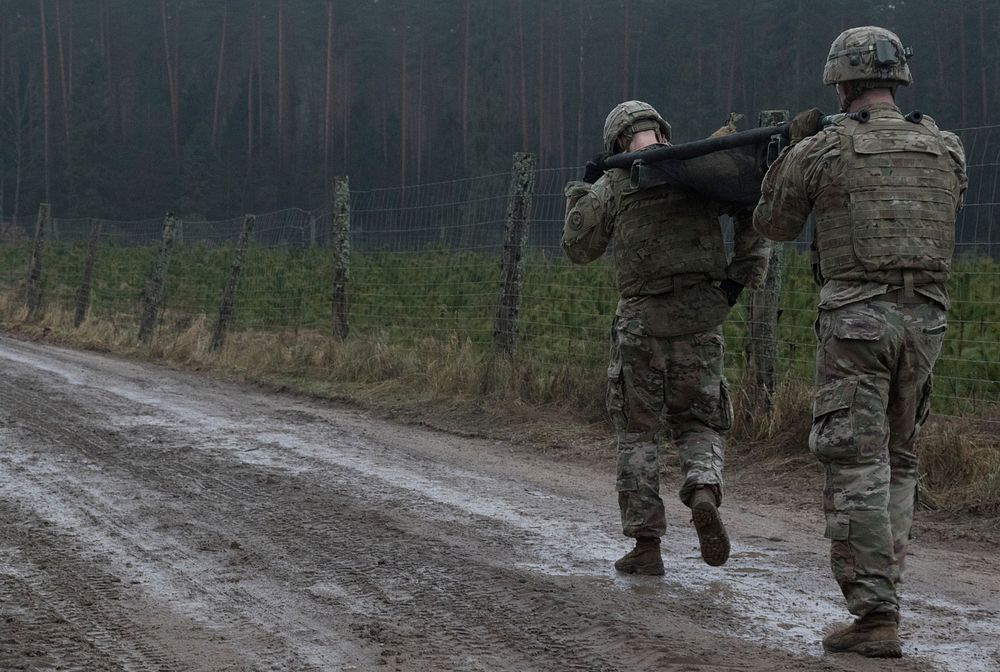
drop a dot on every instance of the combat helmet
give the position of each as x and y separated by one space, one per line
629 118
872 56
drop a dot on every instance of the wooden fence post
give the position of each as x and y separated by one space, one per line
87 279
522 187
762 322
153 296
341 255
33 292
228 302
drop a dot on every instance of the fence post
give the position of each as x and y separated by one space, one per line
762 322
341 254
87 281
229 293
153 296
312 230
33 293
522 187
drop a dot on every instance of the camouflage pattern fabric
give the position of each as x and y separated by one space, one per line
666 275
880 326
665 373
803 178
672 386
853 57
873 384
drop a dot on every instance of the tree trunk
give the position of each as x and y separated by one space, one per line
71 51
258 59
218 75
541 85
171 82
345 103
45 102
560 103
982 60
328 93
3 60
583 31
636 61
282 93
942 82
250 119
110 78
963 73
731 80
626 47
403 104
63 77
465 87
524 83
420 112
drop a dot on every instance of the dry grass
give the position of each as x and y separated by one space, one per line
960 466
960 459
784 428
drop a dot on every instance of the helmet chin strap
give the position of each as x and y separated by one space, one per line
849 98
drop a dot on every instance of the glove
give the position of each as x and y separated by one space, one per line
592 170
804 124
732 290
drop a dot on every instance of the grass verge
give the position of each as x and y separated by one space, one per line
449 383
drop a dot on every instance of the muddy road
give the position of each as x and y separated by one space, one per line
155 520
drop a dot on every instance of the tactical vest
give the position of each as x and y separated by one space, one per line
891 210
665 239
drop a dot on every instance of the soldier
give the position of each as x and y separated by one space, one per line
666 368
885 190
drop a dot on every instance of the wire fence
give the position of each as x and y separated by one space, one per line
425 263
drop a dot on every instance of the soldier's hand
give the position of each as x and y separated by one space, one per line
732 290
804 124
592 170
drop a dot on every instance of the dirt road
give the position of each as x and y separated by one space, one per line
155 520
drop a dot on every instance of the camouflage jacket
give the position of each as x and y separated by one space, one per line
668 251
885 194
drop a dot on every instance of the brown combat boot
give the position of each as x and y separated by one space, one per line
644 559
712 535
874 635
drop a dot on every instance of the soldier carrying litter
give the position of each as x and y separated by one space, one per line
666 363
885 190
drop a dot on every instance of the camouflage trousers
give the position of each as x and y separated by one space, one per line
670 385
873 377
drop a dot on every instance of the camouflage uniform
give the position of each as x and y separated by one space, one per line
666 362
885 195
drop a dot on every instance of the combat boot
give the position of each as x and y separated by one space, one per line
644 559
712 535
874 635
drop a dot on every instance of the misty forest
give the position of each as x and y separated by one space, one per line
126 108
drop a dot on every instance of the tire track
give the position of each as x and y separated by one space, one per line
310 539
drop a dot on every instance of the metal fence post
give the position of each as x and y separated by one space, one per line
87 279
341 255
522 187
153 296
762 323
228 303
33 293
